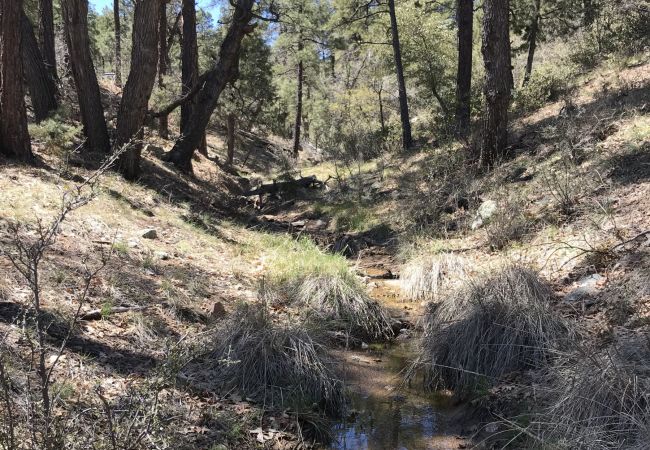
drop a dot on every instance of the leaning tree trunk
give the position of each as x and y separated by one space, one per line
189 65
14 137
407 139
465 18
498 81
139 84
226 70
42 89
532 41
46 30
75 19
118 43
163 122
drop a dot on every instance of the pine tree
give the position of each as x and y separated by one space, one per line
14 137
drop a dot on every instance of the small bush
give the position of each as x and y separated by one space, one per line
277 364
422 278
490 328
547 83
598 401
56 135
510 223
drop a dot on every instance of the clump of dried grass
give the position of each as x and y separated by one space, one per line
422 277
596 401
343 302
276 364
491 327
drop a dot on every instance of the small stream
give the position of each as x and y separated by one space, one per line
384 414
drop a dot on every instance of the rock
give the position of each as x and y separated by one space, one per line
298 223
484 213
162 255
149 233
218 311
585 287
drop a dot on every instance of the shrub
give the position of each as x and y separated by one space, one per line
422 277
547 83
277 364
489 328
509 223
56 135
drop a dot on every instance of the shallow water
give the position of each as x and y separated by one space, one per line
384 414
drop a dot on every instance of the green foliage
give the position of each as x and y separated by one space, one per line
56 135
547 83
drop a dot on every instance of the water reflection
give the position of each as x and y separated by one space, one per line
394 424
386 416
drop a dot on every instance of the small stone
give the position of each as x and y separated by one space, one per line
298 223
364 346
149 233
164 256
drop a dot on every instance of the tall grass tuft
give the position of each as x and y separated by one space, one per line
597 401
423 277
323 287
492 327
276 364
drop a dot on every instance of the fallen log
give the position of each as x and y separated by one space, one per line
277 186
98 314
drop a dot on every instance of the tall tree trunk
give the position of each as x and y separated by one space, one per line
118 42
14 137
532 41
298 119
42 89
226 71
139 84
75 18
189 65
498 80
46 31
230 126
407 139
163 122
465 18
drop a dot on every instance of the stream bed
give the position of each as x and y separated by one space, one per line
385 414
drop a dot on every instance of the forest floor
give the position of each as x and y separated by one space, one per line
188 249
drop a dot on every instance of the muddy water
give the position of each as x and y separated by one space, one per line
385 414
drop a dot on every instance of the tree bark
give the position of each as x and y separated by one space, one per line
407 139
163 122
498 80
14 137
298 120
189 65
118 42
230 125
465 18
42 89
46 31
75 17
139 84
226 71
532 41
